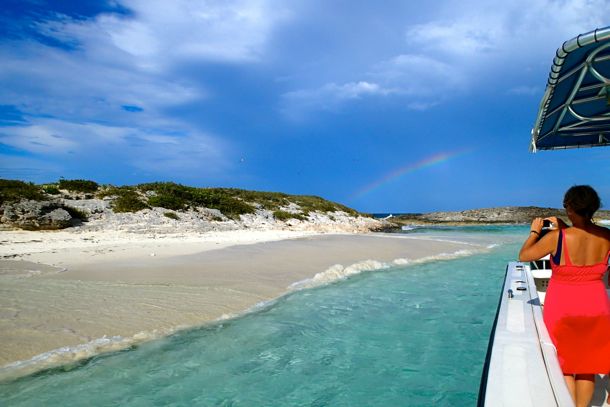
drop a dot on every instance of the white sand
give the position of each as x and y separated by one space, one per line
61 289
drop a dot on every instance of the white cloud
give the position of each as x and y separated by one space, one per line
463 38
128 60
422 80
133 60
113 61
44 81
161 33
36 139
183 151
516 30
472 44
331 93
354 90
413 74
328 97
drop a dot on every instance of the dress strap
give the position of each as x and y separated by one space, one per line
566 255
556 259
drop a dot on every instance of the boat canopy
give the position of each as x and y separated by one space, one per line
575 108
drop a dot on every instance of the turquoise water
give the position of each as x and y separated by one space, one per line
410 336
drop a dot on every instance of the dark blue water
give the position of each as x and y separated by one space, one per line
409 336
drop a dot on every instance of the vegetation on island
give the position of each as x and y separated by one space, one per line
15 190
12 190
126 199
285 215
77 185
171 215
231 202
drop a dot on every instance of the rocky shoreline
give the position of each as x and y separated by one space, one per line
166 207
501 215
88 215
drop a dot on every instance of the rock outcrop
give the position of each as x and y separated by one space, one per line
97 214
38 215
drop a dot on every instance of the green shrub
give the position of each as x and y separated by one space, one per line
218 198
168 195
167 201
284 216
50 189
12 190
169 188
127 200
171 215
268 200
276 200
78 185
109 190
232 202
310 203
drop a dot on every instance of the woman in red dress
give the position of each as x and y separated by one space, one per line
576 308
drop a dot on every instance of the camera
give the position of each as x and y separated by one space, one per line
546 227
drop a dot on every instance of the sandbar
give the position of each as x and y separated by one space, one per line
76 295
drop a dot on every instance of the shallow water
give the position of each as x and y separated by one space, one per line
413 335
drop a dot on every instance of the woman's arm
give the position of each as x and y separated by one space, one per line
534 247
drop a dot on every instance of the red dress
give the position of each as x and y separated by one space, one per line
577 315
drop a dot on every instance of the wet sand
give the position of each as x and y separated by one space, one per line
130 292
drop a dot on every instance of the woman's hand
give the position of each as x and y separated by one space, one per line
536 247
556 223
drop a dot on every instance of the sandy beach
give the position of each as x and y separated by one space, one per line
66 296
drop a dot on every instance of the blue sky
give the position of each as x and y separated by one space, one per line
394 106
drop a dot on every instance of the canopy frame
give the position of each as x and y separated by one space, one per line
572 126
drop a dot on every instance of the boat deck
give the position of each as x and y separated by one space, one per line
522 367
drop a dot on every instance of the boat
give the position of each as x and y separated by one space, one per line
521 366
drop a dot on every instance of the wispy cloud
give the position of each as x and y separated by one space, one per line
415 73
158 34
459 32
461 38
111 80
420 79
45 81
329 97
460 47
186 150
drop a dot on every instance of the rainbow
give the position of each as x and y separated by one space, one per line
410 168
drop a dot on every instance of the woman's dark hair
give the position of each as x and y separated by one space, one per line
583 200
